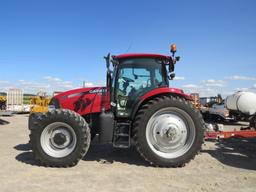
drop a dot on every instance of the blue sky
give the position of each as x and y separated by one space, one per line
57 44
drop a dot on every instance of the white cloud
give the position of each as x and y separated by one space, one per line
31 86
239 77
50 78
241 89
214 83
205 88
251 89
4 82
5 85
47 84
179 78
212 87
207 92
57 84
88 84
189 86
203 91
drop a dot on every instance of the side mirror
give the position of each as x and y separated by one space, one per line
177 58
172 76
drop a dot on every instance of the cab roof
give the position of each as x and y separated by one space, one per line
141 55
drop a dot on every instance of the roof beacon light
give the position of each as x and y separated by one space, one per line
173 49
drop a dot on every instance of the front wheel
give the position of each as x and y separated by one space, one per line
59 138
168 131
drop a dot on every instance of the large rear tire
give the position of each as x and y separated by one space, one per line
168 131
59 138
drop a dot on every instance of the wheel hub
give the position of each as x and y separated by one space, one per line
59 138
168 133
171 133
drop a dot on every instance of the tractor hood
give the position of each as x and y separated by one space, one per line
83 100
80 91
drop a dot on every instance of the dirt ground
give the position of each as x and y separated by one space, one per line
224 166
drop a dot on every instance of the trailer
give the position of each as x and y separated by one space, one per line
249 132
14 100
243 103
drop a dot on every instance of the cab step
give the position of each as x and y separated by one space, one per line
122 138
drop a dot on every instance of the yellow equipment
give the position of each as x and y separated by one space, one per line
195 100
2 98
39 104
2 102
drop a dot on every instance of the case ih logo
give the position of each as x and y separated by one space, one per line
102 90
92 91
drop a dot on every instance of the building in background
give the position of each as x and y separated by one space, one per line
14 100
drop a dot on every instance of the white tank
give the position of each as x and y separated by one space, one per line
244 102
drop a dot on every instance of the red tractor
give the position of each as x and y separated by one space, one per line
136 104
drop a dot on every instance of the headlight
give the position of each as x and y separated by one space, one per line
51 108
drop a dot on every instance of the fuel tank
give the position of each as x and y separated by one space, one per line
242 101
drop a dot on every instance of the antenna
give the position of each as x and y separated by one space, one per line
129 47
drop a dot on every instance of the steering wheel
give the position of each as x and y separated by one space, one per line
128 80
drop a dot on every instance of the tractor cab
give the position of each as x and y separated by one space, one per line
134 75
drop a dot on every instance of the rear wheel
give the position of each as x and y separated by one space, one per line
168 131
59 138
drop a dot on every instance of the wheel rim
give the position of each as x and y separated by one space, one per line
58 140
170 132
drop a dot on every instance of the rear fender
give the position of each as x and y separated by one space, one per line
156 93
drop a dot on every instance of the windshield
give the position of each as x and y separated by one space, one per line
140 75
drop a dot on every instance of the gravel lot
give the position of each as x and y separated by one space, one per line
224 166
